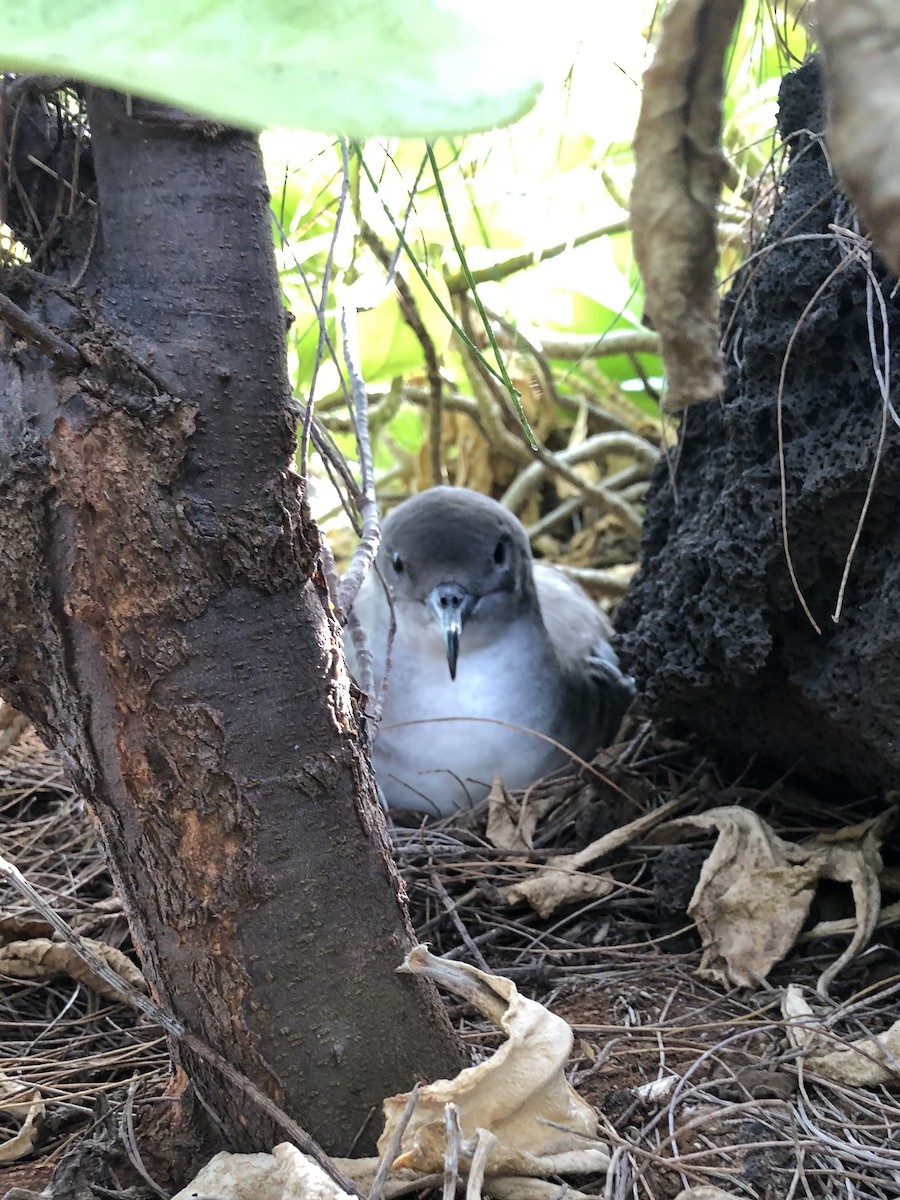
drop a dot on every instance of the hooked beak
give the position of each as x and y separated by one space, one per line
451 604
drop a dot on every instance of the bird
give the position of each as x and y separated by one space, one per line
497 664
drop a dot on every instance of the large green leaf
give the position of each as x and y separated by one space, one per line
356 67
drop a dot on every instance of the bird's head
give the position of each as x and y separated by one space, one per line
456 559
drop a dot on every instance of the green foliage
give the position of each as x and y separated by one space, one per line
359 67
559 174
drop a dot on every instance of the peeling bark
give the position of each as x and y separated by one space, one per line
860 43
679 169
165 623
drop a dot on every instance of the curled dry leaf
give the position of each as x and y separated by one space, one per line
860 41
24 1103
679 169
562 881
512 820
520 1119
539 1123
755 890
40 958
865 1062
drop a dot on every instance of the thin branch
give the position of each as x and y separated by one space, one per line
321 306
392 1149
457 282
506 442
594 447
595 579
574 346
451 1154
364 554
410 312
620 482
38 335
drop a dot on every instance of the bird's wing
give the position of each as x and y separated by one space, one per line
578 629
581 634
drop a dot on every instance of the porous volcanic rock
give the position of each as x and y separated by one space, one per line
713 628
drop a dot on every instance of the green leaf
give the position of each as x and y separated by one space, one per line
355 67
388 346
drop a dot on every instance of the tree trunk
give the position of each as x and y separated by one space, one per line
167 625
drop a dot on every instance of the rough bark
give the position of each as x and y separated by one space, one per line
166 625
715 631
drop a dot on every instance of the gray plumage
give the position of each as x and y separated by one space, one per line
490 638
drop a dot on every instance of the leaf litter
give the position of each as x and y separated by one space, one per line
686 1086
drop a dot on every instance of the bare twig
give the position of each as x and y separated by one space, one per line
36 334
484 1143
451 1154
365 667
392 1148
364 554
489 398
608 583
458 283
575 346
883 375
410 312
598 446
320 307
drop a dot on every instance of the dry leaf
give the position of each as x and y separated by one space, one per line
519 1117
235 1177
285 1174
41 958
865 1062
755 890
512 821
561 881
853 855
540 1124
860 41
679 169
21 1102
803 1027
303 1179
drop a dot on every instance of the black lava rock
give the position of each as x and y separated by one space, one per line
714 630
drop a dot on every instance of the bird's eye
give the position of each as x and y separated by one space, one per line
500 552
397 563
